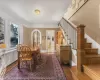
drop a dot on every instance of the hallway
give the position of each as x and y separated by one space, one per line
49 39
48 69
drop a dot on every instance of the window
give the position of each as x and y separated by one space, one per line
13 35
1 30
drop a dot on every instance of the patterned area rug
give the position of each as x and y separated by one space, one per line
49 69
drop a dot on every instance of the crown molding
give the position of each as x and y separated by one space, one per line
43 26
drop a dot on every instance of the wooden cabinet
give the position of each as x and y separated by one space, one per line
63 54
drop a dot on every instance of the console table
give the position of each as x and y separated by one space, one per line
63 53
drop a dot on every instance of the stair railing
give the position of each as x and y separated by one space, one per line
70 33
75 34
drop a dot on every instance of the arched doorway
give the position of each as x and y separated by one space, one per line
36 37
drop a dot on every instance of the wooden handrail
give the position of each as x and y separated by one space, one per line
70 24
73 28
62 27
78 9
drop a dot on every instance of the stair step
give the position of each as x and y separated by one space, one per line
93 59
79 75
91 51
93 71
88 45
93 56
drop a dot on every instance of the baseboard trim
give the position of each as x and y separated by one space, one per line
9 67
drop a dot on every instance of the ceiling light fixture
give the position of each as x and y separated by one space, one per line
37 11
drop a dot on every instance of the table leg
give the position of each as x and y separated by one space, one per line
18 61
35 61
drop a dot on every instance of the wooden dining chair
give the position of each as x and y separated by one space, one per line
26 55
38 55
19 47
19 50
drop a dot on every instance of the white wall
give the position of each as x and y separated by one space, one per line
89 15
9 54
44 26
9 19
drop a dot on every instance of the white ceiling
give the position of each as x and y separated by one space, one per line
51 10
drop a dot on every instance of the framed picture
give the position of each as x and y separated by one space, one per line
14 37
2 30
74 7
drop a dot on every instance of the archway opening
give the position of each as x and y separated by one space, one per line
36 38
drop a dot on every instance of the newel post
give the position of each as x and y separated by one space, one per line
80 47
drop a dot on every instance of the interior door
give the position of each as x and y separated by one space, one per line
50 40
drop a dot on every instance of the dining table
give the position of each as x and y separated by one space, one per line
34 51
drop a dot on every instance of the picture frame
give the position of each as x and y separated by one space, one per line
74 7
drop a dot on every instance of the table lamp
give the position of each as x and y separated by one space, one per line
2 46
